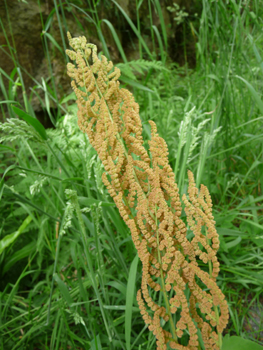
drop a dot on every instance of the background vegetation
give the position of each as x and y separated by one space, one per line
200 80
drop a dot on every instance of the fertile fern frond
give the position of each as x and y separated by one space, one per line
142 185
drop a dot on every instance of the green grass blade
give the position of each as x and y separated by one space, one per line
160 15
135 84
116 39
49 21
19 255
129 301
54 42
9 239
63 289
134 29
253 93
257 54
32 121
9 102
160 43
45 88
2 183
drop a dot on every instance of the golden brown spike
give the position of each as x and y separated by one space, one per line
143 187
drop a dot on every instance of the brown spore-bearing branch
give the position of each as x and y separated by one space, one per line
142 184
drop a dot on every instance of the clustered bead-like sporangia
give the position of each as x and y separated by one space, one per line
142 184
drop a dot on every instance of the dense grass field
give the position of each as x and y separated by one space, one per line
71 284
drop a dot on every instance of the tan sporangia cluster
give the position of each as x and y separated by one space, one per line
143 187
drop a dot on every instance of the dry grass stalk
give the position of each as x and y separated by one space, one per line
143 187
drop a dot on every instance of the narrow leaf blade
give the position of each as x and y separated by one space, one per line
9 239
32 121
129 301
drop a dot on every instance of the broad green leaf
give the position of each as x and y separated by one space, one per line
32 121
9 239
129 301
238 343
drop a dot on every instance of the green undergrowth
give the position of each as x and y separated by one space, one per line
69 271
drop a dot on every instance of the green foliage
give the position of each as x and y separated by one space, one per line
67 277
238 343
9 239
